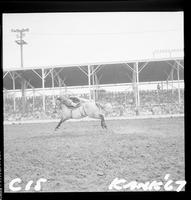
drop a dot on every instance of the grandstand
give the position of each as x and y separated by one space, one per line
143 87
138 69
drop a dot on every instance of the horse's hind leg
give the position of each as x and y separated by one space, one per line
103 124
60 122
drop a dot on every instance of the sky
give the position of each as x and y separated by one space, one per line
79 38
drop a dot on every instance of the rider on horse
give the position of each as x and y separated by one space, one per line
71 102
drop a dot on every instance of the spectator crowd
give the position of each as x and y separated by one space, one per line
123 103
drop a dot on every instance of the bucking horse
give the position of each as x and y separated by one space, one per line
77 108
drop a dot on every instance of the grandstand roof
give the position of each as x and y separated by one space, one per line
95 63
107 74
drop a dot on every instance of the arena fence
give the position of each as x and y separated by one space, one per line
90 119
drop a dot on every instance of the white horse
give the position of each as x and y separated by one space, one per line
77 108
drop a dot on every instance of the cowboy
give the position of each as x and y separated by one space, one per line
70 101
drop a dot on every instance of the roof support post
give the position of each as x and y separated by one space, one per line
5 74
81 69
33 102
94 80
13 79
89 81
172 80
178 77
134 86
96 87
137 88
60 84
43 93
23 90
178 62
52 77
93 83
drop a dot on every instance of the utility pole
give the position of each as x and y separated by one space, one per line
21 42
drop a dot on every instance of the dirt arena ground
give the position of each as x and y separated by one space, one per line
81 156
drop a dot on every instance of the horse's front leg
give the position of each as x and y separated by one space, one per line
59 124
103 124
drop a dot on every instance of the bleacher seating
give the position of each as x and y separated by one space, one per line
151 103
